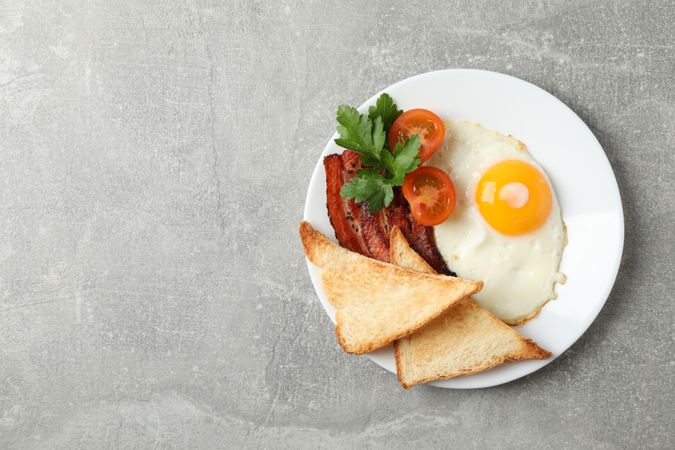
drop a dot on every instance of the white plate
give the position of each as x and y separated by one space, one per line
581 176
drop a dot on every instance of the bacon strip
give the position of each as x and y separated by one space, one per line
346 232
397 214
360 231
374 234
351 162
422 241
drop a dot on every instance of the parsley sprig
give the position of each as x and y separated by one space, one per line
383 168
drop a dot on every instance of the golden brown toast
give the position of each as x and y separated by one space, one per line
466 339
377 303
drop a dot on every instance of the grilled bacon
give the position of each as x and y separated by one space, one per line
374 234
368 234
346 226
423 242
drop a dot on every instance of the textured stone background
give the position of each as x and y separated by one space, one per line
154 158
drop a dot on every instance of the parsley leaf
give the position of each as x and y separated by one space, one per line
369 185
361 134
403 160
386 109
380 199
382 168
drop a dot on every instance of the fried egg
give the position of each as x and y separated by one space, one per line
507 228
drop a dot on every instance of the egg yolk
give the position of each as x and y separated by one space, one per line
514 197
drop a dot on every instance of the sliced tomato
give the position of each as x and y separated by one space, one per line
427 125
431 195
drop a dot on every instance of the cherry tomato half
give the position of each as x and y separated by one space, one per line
431 195
427 125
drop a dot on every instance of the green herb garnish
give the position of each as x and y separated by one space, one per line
383 168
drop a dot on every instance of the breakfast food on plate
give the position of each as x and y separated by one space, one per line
435 198
363 195
423 123
464 340
361 231
506 229
375 302
430 194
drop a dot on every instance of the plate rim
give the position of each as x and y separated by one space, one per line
617 257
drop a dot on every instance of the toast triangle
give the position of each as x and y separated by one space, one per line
466 339
377 303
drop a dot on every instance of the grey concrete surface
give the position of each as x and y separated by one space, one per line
154 159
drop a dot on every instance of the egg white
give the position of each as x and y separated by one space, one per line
519 272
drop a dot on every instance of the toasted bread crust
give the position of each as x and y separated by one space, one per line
532 351
318 248
528 349
399 245
400 367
